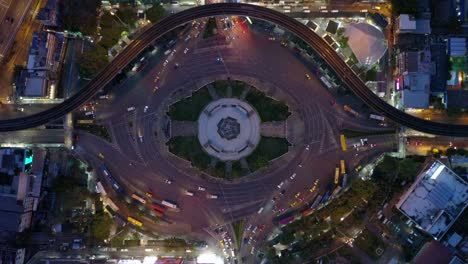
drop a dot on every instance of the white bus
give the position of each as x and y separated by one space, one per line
169 204
101 189
377 117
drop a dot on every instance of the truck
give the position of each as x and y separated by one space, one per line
134 221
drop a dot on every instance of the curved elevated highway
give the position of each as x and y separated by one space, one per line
302 31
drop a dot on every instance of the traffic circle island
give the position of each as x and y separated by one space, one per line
229 129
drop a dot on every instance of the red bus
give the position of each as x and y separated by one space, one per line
157 207
157 213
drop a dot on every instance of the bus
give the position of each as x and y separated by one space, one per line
134 221
158 213
377 117
344 181
157 207
343 142
337 175
286 220
343 169
138 198
100 189
169 204
111 179
85 121
112 205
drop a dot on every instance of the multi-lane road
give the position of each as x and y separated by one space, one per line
302 31
249 54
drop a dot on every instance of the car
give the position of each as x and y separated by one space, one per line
176 65
293 176
145 109
149 194
219 59
156 79
358 168
201 188
131 108
155 89
272 38
307 147
307 76
297 195
314 187
255 229
280 185
189 193
167 181
284 44
101 155
274 199
186 50
283 192
212 196
165 63
294 204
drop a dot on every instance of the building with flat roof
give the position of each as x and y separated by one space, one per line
409 24
435 200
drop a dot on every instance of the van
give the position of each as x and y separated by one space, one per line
260 210
131 108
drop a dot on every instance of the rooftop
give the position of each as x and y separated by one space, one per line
367 42
435 200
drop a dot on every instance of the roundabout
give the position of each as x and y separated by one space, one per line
229 129
139 160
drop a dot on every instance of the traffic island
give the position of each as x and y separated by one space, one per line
229 142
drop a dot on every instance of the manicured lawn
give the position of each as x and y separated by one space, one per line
268 108
190 149
368 242
353 134
268 148
238 227
237 88
190 108
236 170
221 87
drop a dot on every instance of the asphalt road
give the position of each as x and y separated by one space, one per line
249 54
15 12
302 31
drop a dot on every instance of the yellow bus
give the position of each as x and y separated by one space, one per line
85 121
337 175
343 142
343 169
134 221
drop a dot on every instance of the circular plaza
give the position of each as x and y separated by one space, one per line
229 129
